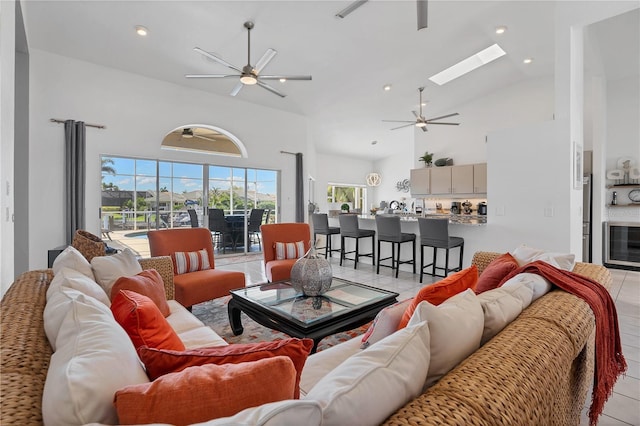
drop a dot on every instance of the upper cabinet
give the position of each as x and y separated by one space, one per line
447 180
420 181
480 178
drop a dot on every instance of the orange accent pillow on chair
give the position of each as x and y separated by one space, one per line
206 392
143 321
441 291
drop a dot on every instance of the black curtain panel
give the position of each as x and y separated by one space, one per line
75 171
299 189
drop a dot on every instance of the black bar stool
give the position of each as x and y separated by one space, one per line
349 229
321 227
435 233
389 232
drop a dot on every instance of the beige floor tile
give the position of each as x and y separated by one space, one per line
628 386
633 369
628 328
627 308
630 340
631 353
626 319
622 408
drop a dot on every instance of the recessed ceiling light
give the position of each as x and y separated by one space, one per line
527 60
141 31
483 57
423 104
386 87
501 29
282 80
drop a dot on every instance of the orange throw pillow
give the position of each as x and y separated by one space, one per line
441 291
143 321
148 283
210 391
499 268
159 362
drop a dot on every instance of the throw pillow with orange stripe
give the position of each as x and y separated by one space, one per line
190 261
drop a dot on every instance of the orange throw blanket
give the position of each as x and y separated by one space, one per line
609 361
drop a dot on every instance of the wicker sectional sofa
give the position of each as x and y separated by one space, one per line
536 371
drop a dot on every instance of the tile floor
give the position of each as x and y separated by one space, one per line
622 408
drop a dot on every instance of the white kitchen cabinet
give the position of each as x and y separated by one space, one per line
420 179
462 179
441 180
480 178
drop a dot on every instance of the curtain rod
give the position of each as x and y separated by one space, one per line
97 126
287 152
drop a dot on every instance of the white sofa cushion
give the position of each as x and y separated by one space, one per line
538 284
372 384
180 319
73 259
94 358
281 413
107 269
500 307
77 280
455 327
524 254
322 363
192 332
385 323
59 304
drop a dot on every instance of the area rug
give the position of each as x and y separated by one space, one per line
214 314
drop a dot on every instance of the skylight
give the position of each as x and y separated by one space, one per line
483 57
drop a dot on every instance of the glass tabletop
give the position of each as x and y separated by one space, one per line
342 297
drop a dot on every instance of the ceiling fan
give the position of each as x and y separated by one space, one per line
188 133
249 75
420 121
421 5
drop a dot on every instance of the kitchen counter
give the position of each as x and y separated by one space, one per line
454 219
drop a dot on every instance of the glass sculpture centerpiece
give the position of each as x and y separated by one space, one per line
311 274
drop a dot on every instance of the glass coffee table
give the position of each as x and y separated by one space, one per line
277 305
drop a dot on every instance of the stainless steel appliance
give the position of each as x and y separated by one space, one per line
455 207
586 218
622 244
482 208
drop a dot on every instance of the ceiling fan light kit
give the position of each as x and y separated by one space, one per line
420 121
249 75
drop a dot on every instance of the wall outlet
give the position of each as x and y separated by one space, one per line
548 212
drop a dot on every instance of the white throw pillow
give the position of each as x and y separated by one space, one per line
368 387
455 327
78 281
524 255
523 291
72 258
94 358
537 283
108 269
281 413
500 307
385 323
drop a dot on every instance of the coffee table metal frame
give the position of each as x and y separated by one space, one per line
338 314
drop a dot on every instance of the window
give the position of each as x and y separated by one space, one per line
353 195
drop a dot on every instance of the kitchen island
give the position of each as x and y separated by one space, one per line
473 228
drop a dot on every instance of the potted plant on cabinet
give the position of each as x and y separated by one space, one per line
427 158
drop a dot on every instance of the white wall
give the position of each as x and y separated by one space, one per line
138 112
7 120
393 169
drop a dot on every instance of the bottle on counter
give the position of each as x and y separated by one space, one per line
614 199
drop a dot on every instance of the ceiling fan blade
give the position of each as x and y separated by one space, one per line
216 59
236 88
399 121
205 138
424 129
422 14
443 116
209 75
416 114
347 10
271 89
266 58
286 77
406 125
449 124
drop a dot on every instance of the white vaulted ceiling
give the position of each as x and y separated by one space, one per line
350 59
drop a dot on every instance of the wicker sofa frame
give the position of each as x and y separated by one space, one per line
536 371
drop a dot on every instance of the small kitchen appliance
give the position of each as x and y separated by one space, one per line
455 207
466 207
482 208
